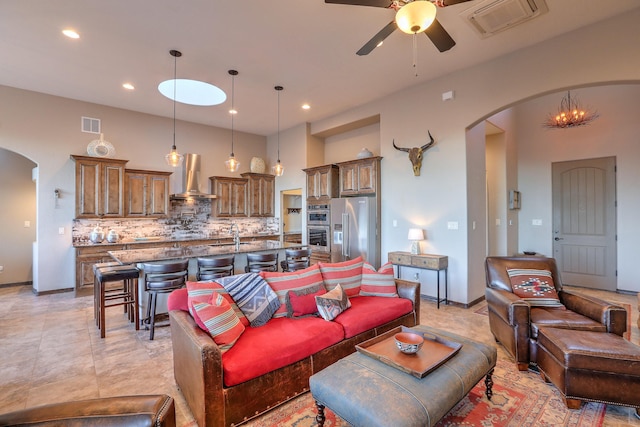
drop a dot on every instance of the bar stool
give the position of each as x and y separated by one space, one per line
257 262
162 278
296 259
125 295
212 268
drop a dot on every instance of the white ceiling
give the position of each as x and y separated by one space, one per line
306 46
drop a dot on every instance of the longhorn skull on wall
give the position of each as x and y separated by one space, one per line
415 154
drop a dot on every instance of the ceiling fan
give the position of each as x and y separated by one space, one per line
434 30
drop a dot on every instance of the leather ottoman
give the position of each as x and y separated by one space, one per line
368 393
590 366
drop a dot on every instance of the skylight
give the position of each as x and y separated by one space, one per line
193 92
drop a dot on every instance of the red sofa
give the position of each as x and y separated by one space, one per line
271 364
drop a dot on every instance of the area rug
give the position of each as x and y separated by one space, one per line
519 399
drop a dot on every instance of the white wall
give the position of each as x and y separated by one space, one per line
615 133
46 130
439 195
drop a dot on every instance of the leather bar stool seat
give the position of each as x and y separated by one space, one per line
161 278
125 293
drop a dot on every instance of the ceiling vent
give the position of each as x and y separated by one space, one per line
492 16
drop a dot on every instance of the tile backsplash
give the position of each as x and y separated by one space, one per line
187 220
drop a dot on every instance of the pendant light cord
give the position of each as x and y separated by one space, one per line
175 83
278 89
233 108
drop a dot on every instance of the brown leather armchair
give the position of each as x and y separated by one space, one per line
514 322
129 411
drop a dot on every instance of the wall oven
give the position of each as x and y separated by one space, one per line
319 214
318 236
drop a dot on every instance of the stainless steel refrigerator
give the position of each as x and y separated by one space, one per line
354 230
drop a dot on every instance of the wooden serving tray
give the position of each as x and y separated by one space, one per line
435 351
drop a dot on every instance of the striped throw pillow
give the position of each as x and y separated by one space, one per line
206 288
219 320
379 283
347 274
300 280
253 295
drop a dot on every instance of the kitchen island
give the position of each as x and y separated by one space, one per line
160 254
137 256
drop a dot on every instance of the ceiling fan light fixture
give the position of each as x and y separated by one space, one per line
416 16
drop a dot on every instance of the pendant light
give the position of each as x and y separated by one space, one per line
174 159
232 164
278 169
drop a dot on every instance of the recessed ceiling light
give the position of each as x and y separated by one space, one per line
233 111
71 33
192 92
306 106
128 86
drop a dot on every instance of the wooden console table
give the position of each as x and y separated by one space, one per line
427 262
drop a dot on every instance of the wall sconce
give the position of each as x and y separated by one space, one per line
415 235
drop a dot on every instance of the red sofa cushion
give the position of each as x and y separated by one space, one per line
281 342
369 312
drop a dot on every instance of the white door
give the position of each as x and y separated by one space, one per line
584 222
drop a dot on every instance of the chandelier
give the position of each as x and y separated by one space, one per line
570 114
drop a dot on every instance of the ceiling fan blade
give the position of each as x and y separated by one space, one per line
373 3
378 38
439 36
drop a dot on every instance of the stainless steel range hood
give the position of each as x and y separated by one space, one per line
191 180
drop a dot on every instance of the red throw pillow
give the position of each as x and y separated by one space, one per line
282 283
206 288
303 302
218 319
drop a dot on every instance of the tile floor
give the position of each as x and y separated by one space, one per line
51 351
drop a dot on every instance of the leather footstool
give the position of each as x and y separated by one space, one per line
590 366
139 411
368 393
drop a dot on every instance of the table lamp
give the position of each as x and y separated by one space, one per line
415 235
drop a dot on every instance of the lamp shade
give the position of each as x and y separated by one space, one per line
416 234
416 16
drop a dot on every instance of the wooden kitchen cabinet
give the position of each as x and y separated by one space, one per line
99 187
146 193
261 192
231 196
360 177
86 257
322 182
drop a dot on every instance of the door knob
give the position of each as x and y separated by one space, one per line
558 238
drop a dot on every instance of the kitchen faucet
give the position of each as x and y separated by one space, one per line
236 235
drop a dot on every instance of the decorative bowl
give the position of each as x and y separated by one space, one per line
408 343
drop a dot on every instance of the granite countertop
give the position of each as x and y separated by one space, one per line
134 256
141 240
